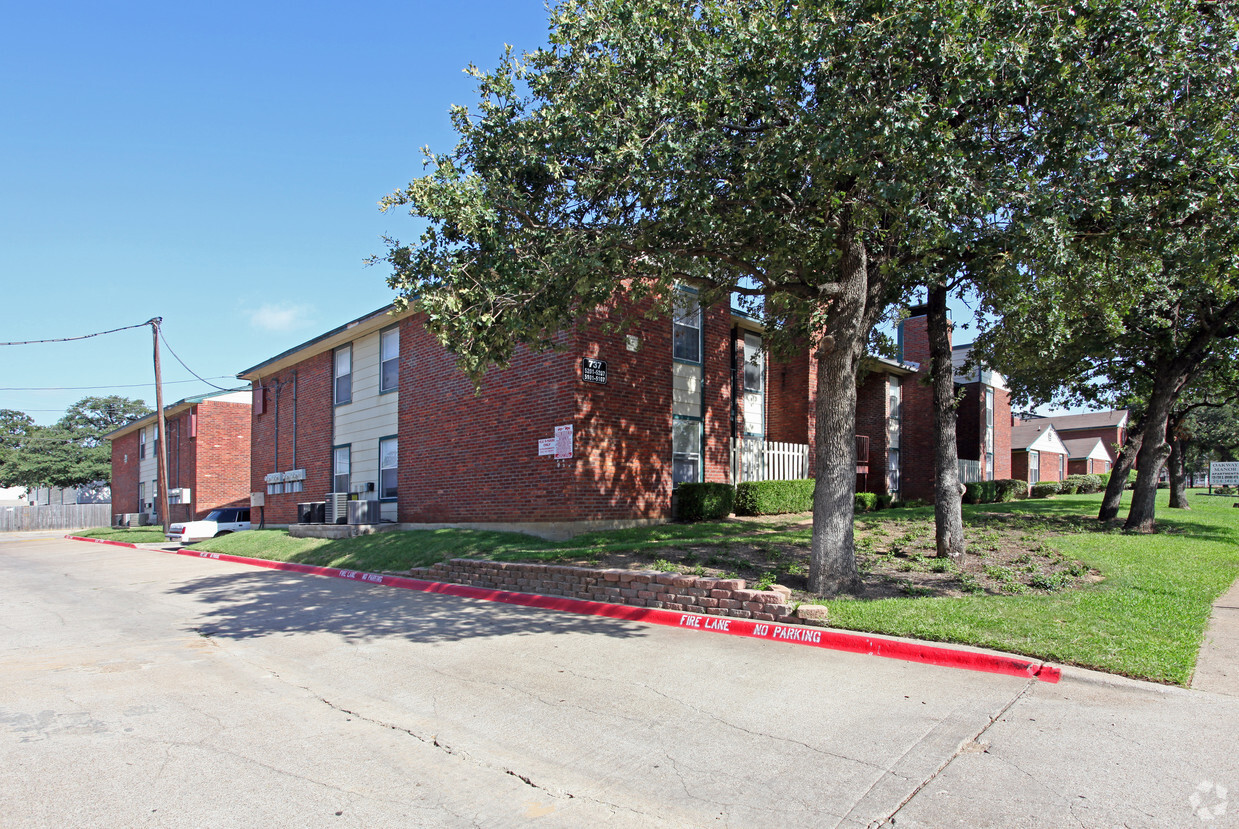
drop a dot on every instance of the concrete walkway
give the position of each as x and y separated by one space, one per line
1217 666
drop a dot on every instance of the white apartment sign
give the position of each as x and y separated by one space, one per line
1224 473
560 446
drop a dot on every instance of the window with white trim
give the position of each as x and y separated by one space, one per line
141 443
340 469
388 465
389 360
989 434
686 328
1034 466
685 451
343 387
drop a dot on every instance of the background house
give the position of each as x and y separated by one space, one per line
208 458
1087 456
1110 426
1037 452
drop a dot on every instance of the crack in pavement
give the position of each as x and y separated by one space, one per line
889 819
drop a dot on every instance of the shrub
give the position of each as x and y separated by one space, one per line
1045 489
1068 487
884 501
1009 489
981 492
866 501
774 497
1087 483
702 502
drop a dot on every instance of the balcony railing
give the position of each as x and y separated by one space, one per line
754 459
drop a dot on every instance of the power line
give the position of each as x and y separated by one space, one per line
113 386
83 337
187 368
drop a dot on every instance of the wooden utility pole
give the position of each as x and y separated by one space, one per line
162 454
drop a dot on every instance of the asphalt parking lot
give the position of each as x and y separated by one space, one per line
144 689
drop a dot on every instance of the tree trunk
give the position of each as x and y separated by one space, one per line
840 346
948 510
1178 476
1113 498
1151 458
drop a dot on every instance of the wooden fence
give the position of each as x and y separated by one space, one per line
55 517
753 459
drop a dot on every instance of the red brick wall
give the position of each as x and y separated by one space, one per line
718 390
970 422
474 457
125 473
788 414
221 470
1048 465
311 409
1002 434
917 441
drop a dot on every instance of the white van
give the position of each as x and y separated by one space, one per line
217 522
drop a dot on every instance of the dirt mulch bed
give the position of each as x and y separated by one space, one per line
1007 554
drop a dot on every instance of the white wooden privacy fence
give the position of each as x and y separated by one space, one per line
754 459
970 471
55 517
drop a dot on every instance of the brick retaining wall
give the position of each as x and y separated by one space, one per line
640 588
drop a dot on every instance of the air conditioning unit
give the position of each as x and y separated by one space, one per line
336 509
119 520
364 512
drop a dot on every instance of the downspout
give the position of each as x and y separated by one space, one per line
294 466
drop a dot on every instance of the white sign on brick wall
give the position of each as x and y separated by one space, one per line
1224 473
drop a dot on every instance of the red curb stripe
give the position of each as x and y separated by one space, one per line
791 634
102 541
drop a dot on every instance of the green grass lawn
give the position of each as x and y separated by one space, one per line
1146 619
141 535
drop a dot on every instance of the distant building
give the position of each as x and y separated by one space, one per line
1037 452
1109 426
1087 456
208 458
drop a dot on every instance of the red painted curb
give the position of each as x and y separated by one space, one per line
102 541
792 634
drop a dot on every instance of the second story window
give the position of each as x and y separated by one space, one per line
141 443
686 328
389 360
343 375
340 469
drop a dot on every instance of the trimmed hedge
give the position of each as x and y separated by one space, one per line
774 497
1045 489
1087 483
991 492
866 501
884 501
703 502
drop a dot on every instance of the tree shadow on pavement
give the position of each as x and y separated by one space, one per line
257 604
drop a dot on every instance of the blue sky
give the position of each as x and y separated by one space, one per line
218 165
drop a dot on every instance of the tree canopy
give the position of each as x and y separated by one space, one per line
69 453
814 159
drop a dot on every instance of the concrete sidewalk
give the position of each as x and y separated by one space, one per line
1217 667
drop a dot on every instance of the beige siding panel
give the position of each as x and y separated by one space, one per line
686 390
369 417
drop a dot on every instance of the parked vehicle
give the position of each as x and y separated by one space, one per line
217 522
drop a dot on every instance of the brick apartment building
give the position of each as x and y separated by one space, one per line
208 458
595 434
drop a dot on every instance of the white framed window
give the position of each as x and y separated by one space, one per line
892 471
1062 467
1034 466
894 419
754 400
686 328
343 386
389 360
141 496
340 462
685 451
388 466
141 443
